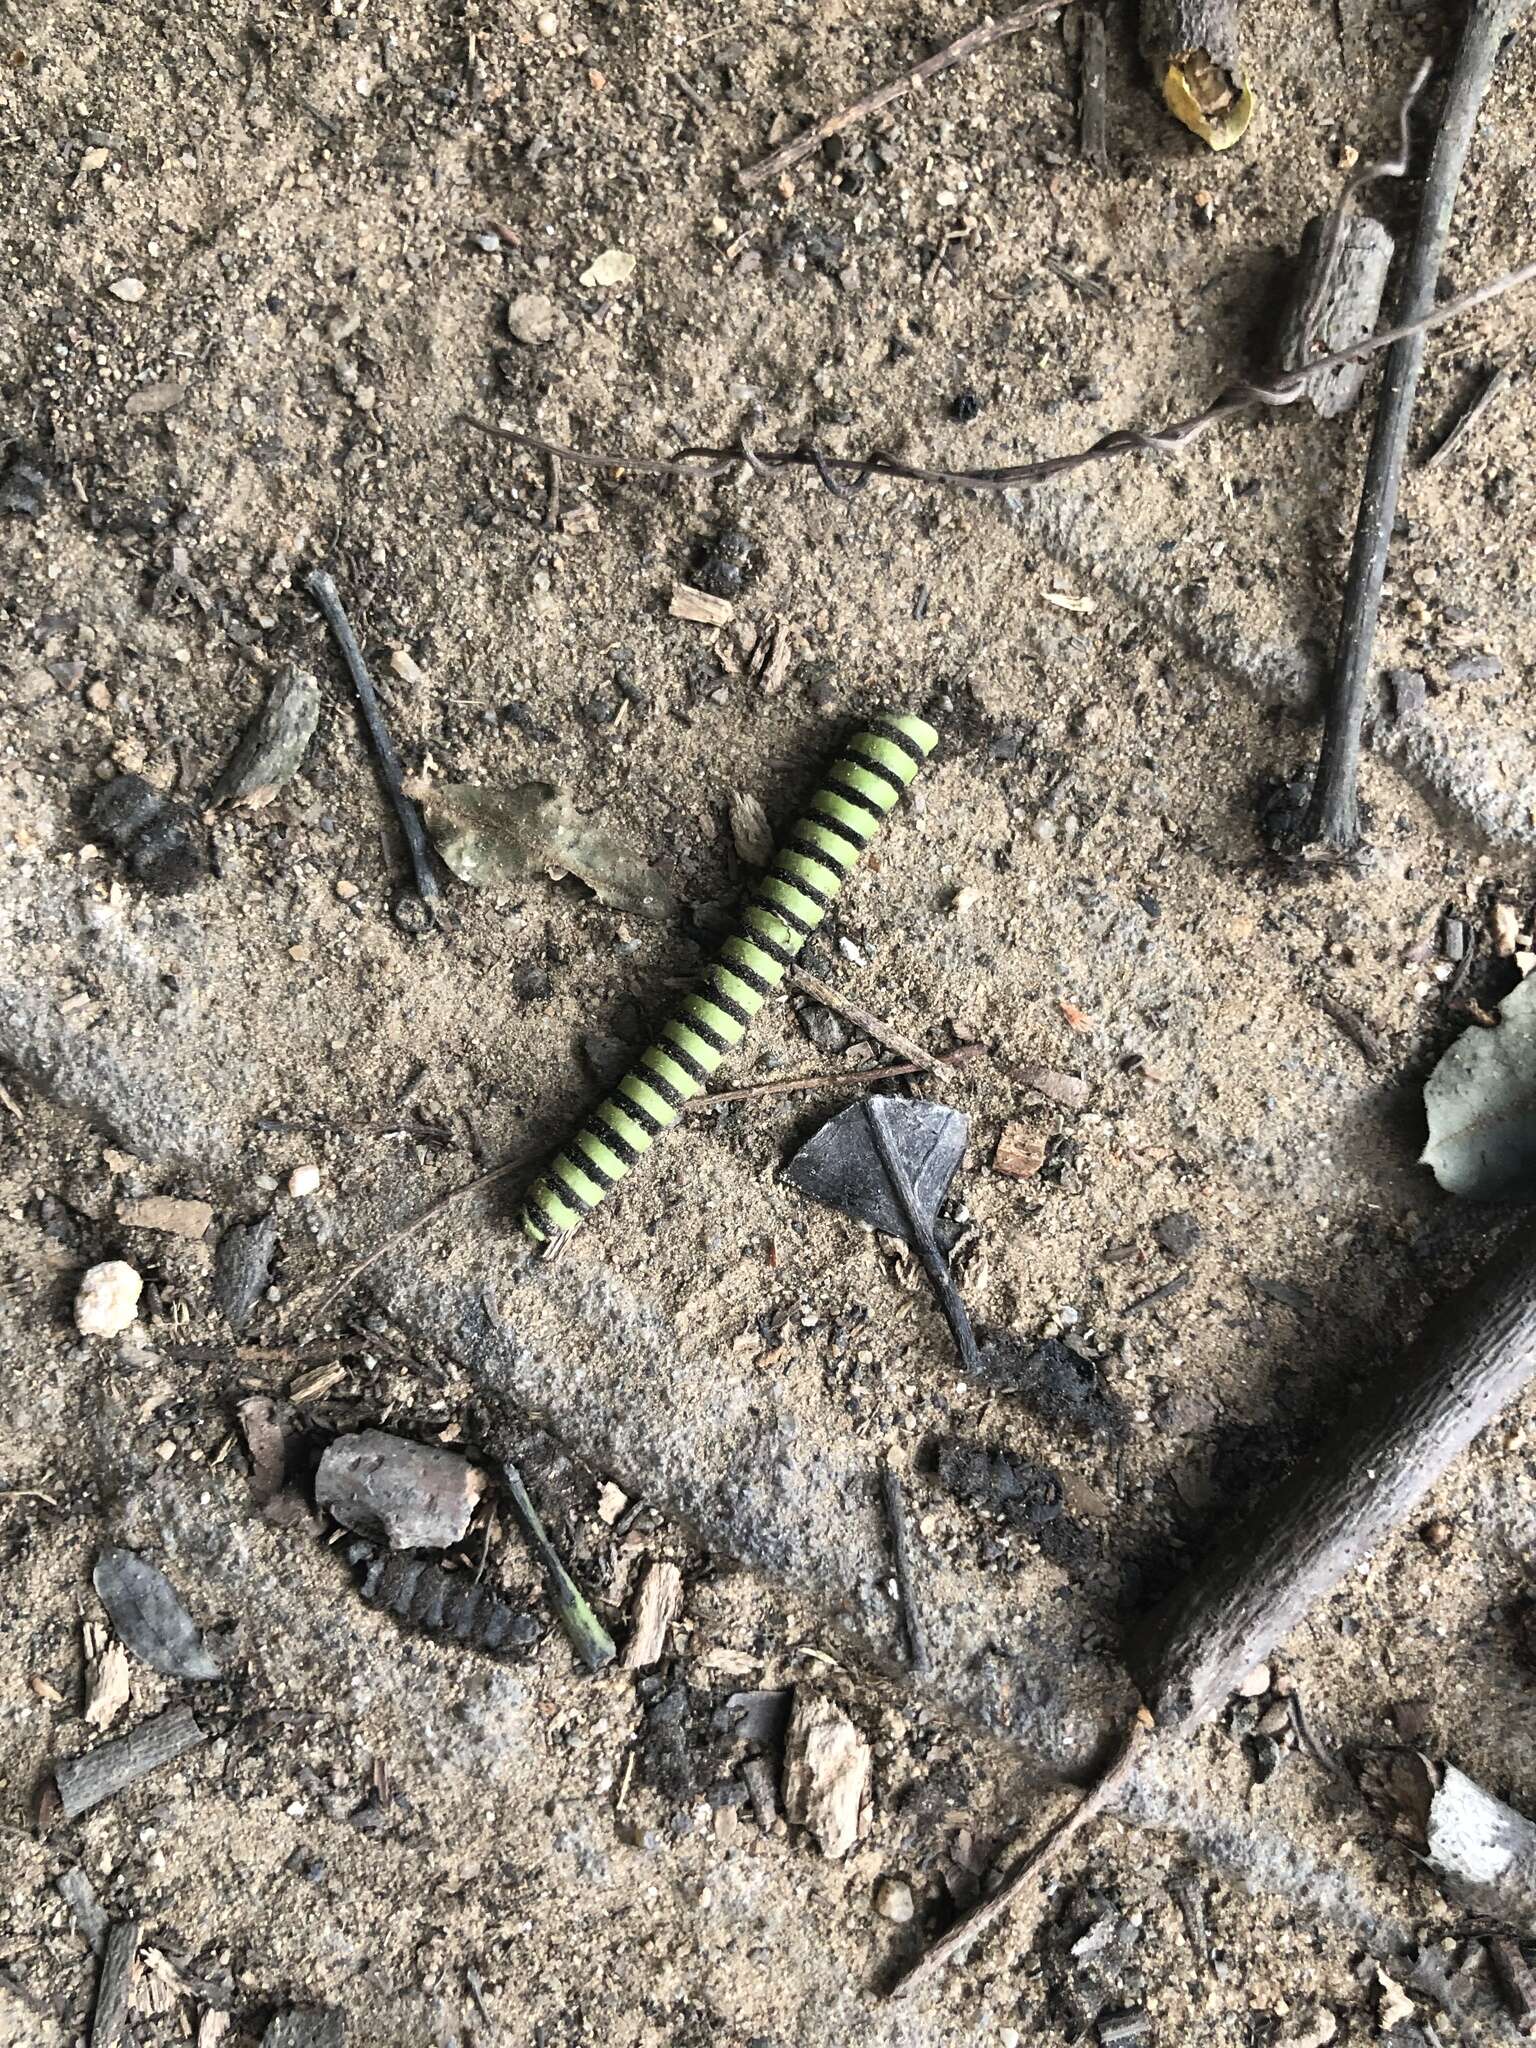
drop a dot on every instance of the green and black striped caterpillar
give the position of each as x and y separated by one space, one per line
790 901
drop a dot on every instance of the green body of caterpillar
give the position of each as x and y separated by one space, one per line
784 909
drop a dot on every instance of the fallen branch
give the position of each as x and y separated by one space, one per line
981 37
1332 820
1476 1353
843 475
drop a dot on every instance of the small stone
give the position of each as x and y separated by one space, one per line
303 1182
165 1212
346 890
614 267
1177 1233
963 900
1438 1534
611 1503
964 407
129 289
1454 936
894 1901
1409 693
548 24
1475 668
1257 1683
824 1028
1275 1720
99 697
532 319
108 1299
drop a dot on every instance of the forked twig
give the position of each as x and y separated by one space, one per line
843 475
981 37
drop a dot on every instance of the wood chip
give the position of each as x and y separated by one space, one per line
750 830
1503 928
166 1213
107 1684
111 1767
213 2028
826 1772
317 1382
116 1986
1020 1152
699 607
661 1592
79 1894
1067 1091
611 1503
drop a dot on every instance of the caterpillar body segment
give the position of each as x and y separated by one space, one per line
863 784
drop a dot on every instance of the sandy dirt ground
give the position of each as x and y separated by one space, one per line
257 269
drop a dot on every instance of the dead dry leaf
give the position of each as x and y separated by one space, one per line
501 838
1480 1103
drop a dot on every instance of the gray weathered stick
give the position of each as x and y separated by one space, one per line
116 1984
1332 821
1092 113
1476 1353
111 1767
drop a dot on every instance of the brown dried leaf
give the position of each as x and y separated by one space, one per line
501 838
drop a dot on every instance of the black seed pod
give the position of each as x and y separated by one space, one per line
155 837
722 566
448 1605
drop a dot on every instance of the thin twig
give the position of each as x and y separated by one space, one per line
1354 1028
1338 220
883 1034
1491 388
1099 1795
1332 821
552 503
981 37
867 1077
843 475
911 1619
391 773
842 1084
924 1243
359 1267
1323 1758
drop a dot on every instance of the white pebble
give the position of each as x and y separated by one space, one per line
548 24
303 1182
108 1299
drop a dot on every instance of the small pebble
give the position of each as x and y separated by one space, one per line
548 24
893 1900
129 289
965 406
108 1299
346 890
1438 1534
303 1182
1257 1683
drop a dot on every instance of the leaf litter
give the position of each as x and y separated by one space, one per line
499 838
